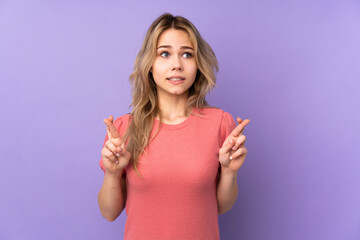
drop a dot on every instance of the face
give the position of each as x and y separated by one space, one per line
174 60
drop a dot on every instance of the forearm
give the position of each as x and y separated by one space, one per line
110 198
227 191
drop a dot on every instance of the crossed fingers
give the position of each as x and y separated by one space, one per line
237 139
115 144
240 127
111 129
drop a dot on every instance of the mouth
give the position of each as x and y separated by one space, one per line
174 79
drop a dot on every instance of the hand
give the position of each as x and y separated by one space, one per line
233 152
115 156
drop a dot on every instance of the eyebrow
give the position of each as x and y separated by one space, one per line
182 47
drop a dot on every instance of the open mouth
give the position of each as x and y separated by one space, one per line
175 79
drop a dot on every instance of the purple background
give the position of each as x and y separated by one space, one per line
291 67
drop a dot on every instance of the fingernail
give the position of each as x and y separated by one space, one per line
117 162
118 154
231 157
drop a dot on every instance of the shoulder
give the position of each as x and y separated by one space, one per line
215 113
219 120
122 119
215 117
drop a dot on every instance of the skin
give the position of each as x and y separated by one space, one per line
233 152
170 61
114 155
112 195
232 155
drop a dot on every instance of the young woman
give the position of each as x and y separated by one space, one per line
173 161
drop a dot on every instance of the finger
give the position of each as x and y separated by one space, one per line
239 141
117 142
239 120
240 128
241 133
239 152
108 121
109 145
113 132
111 119
228 144
108 155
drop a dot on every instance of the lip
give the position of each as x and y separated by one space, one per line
182 78
176 82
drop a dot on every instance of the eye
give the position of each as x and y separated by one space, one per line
161 54
189 54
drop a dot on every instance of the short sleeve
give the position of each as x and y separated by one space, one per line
228 124
118 124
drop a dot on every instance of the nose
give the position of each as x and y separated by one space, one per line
177 65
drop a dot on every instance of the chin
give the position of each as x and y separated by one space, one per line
175 92
178 93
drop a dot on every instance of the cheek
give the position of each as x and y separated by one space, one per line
193 76
158 69
193 68
194 71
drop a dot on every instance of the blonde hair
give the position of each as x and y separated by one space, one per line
144 93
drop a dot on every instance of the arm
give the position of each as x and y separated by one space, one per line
231 157
112 196
114 159
227 191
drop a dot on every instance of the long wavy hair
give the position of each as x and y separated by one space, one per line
144 93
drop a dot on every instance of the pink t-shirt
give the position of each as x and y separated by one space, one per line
177 198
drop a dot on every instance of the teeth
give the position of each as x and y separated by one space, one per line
175 79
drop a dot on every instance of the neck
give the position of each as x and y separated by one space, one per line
172 107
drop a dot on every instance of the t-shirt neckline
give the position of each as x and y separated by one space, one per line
179 125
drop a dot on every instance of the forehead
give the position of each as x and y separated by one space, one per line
174 37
